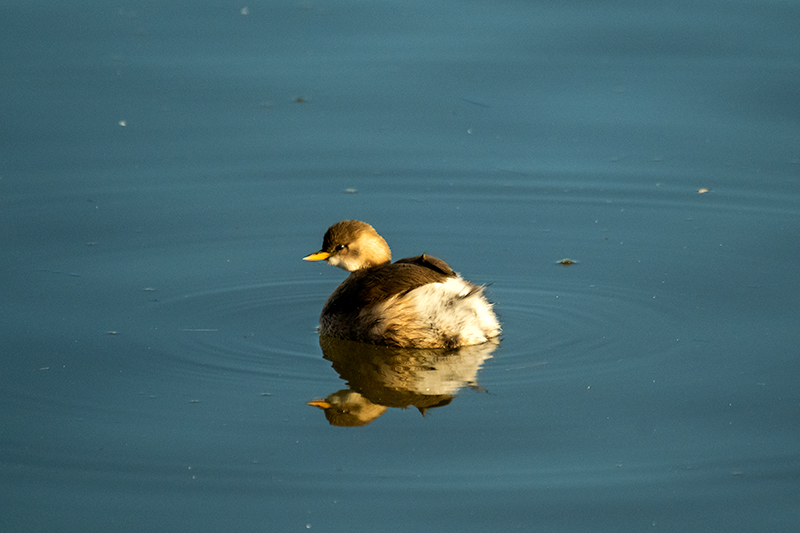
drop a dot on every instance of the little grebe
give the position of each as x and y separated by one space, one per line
416 302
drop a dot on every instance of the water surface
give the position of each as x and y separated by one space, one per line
165 167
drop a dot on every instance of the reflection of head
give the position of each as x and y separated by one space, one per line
348 408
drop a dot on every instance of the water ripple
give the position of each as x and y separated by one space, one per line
567 330
243 330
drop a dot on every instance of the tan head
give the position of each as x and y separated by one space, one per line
352 245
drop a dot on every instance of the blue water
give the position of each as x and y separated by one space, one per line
165 167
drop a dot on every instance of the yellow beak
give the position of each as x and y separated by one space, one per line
322 404
319 256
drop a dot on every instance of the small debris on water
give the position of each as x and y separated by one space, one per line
566 262
73 274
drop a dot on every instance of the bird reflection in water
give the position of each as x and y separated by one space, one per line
380 377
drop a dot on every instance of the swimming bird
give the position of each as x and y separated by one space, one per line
416 302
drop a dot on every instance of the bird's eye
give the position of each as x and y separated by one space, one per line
340 247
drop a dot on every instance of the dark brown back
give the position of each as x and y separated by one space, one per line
372 285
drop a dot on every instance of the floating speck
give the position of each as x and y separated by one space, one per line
350 191
702 191
566 262
123 123
73 274
244 11
111 333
